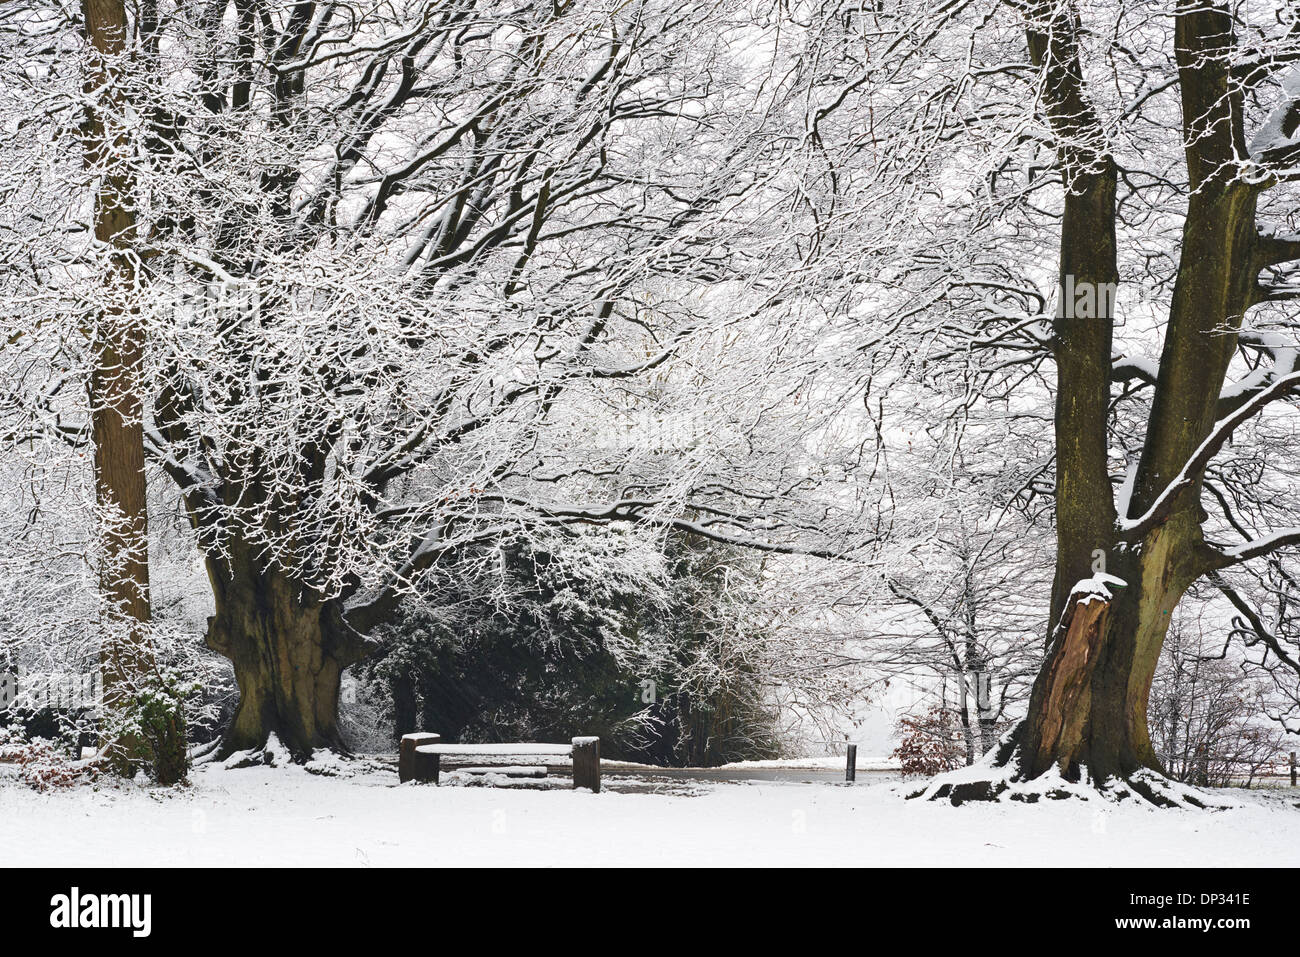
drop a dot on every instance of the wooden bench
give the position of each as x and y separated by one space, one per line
422 758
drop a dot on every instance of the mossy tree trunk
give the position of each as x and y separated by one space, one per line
1088 707
289 648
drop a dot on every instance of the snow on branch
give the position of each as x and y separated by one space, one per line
1258 547
1189 475
1277 142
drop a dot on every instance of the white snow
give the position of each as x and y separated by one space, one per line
288 816
819 763
1272 135
523 748
1125 494
1264 542
1100 586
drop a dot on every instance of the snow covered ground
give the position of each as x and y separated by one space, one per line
822 763
286 816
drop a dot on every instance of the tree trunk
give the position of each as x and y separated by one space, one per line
289 650
967 732
1088 708
126 657
988 735
1087 714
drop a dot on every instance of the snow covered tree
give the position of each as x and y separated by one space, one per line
974 590
381 289
401 272
1209 714
103 335
661 648
1169 141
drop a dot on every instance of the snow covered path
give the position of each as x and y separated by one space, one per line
285 816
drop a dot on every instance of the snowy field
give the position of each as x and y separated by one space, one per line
287 816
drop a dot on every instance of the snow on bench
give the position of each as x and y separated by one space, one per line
422 756
507 750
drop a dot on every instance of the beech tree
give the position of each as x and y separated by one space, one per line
115 388
383 291
1175 136
402 271
498 145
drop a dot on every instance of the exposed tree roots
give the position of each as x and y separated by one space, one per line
997 778
327 762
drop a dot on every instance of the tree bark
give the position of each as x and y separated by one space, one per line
289 649
1088 707
117 428
1212 291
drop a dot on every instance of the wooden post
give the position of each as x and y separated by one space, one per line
586 764
851 771
1293 769
425 767
412 766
